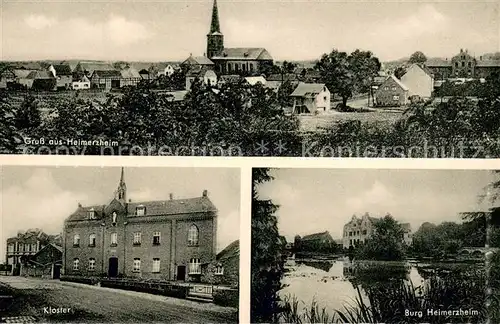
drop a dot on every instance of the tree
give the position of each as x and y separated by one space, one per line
297 244
284 92
9 135
267 255
399 72
386 242
345 74
28 116
417 57
288 67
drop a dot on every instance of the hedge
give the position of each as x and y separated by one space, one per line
227 297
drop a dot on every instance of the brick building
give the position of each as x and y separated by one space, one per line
168 239
391 93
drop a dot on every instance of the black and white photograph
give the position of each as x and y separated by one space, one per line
119 244
375 246
373 78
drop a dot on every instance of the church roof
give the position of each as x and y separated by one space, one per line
244 53
215 24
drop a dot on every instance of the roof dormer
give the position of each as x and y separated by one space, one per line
140 210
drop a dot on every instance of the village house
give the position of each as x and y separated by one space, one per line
274 81
168 239
310 98
25 245
129 77
197 62
105 79
166 70
41 81
205 74
83 83
45 263
419 80
7 77
358 230
63 75
391 93
317 242
87 68
225 269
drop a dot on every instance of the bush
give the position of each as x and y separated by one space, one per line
227 297
81 279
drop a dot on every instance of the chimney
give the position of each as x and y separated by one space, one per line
171 196
205 193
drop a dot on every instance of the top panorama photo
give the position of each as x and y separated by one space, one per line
259 78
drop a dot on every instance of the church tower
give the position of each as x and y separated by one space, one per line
215 39
121 192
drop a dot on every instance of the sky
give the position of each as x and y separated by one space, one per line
318 200
33 197
164 30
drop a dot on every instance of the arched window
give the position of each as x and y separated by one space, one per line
114 217
193 235
76 264
92 239
76 240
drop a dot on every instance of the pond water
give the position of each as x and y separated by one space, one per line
332 284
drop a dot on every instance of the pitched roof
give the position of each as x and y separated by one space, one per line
396 80
307 89
437 62
130 73
283 77
90 67
244 53
176 95
406 227
256 79
22 74
232 250
488 63
107 73
39 75
62 69
195 60
153 208
318 236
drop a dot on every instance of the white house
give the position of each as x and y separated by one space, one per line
311 98
82 84
419 80
168 70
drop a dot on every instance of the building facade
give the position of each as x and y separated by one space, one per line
391 93
358 230
463 65
310 98
168 240
25 245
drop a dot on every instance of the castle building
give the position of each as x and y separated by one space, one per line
168 239
243 61
463 65
358 230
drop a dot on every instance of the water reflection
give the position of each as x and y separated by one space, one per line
335 284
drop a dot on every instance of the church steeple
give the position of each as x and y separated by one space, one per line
215 25
215 39
121 192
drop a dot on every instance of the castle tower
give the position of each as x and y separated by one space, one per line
121 192
215 39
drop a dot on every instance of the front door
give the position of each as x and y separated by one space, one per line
113 268
57 271
181 272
